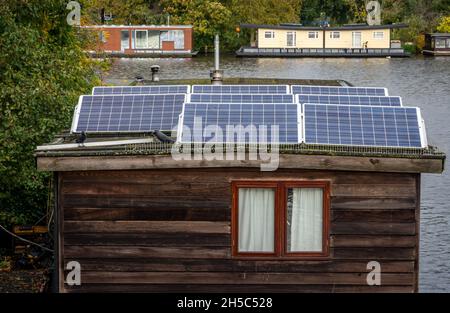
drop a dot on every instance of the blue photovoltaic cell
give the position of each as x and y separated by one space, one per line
241 89
128 113
351 100
362 125
216 118
323 90
139 90
241 98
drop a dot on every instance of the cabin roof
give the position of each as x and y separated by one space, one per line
438 34
143 151
136 26
344 27
116 151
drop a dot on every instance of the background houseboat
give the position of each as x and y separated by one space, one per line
136 219
288 40
437 44
144 40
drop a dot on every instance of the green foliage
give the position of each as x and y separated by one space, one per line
43 70
124 12
207 17
335 11
444 25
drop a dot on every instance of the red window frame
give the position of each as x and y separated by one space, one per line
280 216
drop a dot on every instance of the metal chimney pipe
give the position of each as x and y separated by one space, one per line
217 73
216 52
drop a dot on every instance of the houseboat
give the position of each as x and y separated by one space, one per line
437 44
290 40
136 217
143 40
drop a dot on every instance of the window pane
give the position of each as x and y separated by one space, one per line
304 219
141 39
124 39
256 220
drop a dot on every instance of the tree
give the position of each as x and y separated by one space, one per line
444 25
43 70
207 17
124 12
266 11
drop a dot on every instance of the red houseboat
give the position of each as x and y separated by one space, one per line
144 40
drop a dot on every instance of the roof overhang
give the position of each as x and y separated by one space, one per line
340 28
285 161
136 26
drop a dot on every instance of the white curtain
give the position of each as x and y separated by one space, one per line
256 219
305 219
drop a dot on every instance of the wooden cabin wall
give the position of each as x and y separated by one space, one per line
169 231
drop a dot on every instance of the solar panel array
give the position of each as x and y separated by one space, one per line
241 98
239 123
241 89
351 100
153 89
318 115
362 125
336 90
128 113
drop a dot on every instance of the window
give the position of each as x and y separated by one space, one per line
440 43
141 39
378 35
313 35
269 35
335 35
125 39
291 39
103 36
280 219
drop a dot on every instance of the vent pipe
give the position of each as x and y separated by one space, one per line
217 73
155 73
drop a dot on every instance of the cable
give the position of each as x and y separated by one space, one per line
26 240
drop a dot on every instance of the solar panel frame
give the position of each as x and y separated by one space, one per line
240 98
363 91
182 123
79 107
392 101
420 124
137 90
241 89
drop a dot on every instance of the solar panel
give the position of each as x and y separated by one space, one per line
363 126
240 98
239 123
351 100
127 113
153 89
241 89
339 90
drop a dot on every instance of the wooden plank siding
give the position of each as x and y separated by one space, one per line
168 230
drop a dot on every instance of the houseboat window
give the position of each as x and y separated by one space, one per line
125 39
256 219
313 35
141 39
269 35
291 39
177 36
335 35
280 219
378 35
103 36
440 43
304 220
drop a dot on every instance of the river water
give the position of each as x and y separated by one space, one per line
422 82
